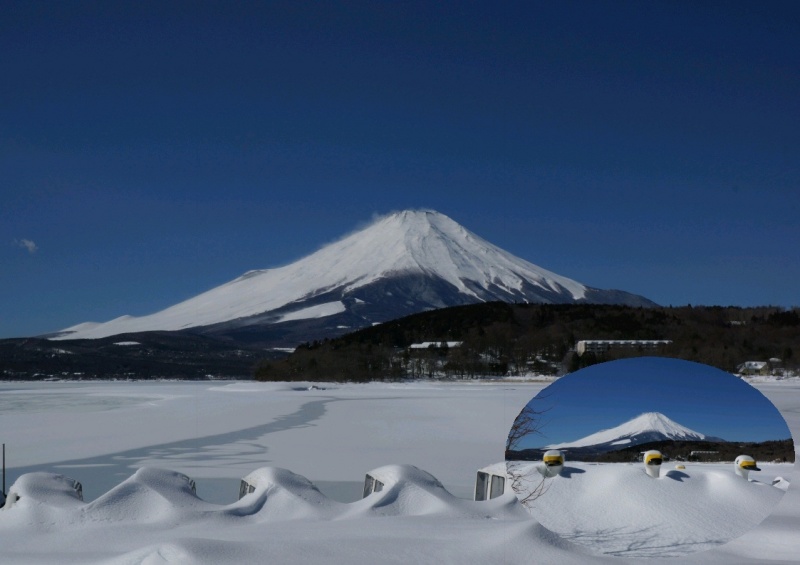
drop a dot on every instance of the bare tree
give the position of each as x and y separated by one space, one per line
526 481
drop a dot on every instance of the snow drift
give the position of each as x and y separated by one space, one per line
617 509
154 517
613 509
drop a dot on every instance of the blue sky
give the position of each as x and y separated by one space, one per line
699 397
150 151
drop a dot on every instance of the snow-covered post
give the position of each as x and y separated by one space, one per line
652 463
743 465
553 463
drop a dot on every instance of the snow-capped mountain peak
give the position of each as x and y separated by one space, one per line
400 264
430 243
658 422
646 427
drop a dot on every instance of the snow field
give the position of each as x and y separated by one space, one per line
217 434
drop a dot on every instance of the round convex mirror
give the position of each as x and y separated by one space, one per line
649 457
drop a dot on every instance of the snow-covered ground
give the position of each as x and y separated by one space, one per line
216 433
617 509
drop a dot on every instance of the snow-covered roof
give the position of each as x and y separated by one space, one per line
495 468
427 344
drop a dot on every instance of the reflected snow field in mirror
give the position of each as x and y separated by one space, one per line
648 450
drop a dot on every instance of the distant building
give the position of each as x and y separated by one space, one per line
753 368
435 345
603 345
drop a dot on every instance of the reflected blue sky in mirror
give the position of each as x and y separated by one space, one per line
700 397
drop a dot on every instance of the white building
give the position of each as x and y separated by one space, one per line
603 345
753 368
435 344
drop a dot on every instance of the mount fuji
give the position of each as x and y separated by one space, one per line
401 264
644 428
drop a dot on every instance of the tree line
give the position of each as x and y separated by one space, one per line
498 338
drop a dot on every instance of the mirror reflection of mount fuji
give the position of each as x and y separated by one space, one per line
650 429
655 457
612 412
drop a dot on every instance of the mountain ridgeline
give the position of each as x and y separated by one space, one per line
407 262
499 338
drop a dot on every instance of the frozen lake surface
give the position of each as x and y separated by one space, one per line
216 433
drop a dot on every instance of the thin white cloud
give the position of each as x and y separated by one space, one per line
26 244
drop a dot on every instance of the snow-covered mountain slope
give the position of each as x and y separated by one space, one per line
401 264
647 427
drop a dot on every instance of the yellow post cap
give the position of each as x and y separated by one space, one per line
653 457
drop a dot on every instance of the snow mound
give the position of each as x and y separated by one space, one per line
48 489
409 491
154 517
283 495
780 483
150 495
